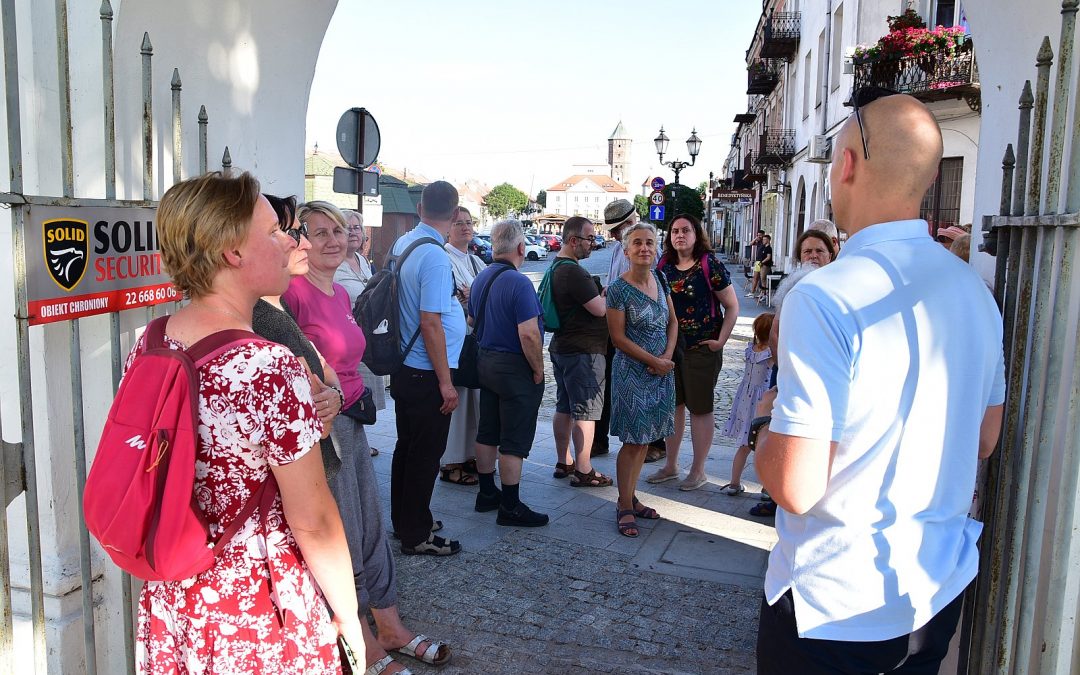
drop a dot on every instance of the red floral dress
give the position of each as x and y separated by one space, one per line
258 609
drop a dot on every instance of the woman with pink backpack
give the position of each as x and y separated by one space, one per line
707 307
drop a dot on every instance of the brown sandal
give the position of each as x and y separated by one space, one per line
563 470
591 479
458 475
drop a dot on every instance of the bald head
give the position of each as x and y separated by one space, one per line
904 143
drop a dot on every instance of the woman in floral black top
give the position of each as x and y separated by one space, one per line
707 308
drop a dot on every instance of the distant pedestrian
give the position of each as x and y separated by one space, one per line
506 313
879 420
758 358
762 268
459 460
641 320
424 394
707 308
577 355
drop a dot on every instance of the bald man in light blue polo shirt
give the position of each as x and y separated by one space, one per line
423 391
890 391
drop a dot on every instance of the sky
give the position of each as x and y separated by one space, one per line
520 92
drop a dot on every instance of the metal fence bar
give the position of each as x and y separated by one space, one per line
1037 449
75 345
177 141
1020 440
107 96
203 120
1038 133
14 141
147 52
1023 141
1061 97
1059 563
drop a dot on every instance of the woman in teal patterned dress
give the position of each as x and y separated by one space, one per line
643 328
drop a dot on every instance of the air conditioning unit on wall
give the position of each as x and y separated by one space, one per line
820 150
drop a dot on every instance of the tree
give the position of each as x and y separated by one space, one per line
641 205
678 200
505 199
541 198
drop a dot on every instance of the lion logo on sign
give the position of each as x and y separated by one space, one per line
65 250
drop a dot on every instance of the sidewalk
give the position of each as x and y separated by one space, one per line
575 596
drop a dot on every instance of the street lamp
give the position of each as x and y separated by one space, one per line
693 146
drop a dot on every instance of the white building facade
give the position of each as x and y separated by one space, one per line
585 195
801 74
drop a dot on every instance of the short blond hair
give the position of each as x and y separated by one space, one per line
327 209
198 220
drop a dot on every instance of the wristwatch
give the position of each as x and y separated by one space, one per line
755 428
340 394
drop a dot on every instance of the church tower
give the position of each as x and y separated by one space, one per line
618 155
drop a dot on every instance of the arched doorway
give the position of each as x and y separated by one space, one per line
800 218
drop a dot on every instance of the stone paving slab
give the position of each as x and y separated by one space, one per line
575 596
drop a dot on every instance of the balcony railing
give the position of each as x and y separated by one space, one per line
933 76
753 170
781 36
777 147
762 77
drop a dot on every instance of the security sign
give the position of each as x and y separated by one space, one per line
657 198
83 260
65 251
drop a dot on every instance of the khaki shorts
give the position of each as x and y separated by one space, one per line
695 379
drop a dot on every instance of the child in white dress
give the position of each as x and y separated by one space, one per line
755 381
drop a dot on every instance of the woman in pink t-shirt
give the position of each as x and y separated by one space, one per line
324 313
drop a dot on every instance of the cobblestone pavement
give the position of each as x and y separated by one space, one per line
575 596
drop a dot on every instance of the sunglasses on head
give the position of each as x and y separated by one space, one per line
297 232
864 96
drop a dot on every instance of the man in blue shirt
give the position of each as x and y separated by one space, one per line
890 391
506 315
424 394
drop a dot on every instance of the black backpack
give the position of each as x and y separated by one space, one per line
378 312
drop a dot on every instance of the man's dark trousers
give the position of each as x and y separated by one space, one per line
780 650
421 432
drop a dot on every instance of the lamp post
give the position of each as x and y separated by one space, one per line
693 146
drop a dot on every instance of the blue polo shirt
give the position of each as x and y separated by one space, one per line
512 300
427 284
894 353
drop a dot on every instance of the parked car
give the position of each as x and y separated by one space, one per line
552 241
481 249
599 242
534 250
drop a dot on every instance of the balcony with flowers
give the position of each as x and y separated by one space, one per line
930 64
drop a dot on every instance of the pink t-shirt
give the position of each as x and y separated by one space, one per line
328 322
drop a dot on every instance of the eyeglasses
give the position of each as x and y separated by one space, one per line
591 238
355 228
459 223
864 96
297 232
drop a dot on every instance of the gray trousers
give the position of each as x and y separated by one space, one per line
357 495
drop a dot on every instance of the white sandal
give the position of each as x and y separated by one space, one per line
732 490
659 476
429 654
382 664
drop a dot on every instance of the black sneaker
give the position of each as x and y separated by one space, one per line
521 516
485 503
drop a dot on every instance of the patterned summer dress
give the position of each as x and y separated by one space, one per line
642 404
258 609
755 382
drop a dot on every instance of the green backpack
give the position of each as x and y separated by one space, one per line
547 298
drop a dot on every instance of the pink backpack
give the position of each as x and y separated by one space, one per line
139 500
